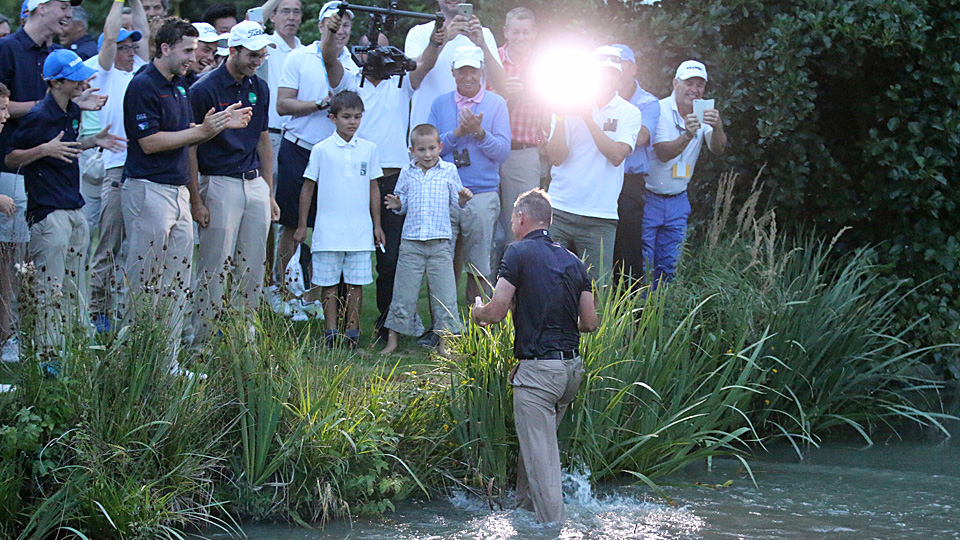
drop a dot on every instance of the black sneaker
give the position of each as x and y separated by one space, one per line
330 337
430 340
353 338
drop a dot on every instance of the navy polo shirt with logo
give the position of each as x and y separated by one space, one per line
21 69
549 280
85 47
51 184
233 150
153 104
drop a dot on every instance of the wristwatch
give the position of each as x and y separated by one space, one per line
321 104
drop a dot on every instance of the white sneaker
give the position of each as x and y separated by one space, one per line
296 307
11 350
275 299
7 388
178 371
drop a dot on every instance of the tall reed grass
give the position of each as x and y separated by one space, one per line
760 338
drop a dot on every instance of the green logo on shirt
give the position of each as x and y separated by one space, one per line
76 124
253 98
182 91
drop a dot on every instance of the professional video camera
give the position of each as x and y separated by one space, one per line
384 61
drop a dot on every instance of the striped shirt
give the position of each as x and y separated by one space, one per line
526 115
427 199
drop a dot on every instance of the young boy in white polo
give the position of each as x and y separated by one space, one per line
426 191
46 149
343 169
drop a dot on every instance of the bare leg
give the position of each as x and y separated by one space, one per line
354 302
391 343
331 307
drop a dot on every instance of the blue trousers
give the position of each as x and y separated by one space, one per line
664 228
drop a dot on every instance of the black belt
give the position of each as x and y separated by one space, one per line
569 354
662 196
249 175
514 145
275 130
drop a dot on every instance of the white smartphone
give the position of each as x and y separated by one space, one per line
466 10
255 15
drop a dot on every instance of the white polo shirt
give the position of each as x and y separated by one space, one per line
114 84
271 70
587 184
386 109
304 72
440 79
663 178
343 171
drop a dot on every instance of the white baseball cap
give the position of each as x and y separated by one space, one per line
691 68
250 35
32 4
208 34
608 56
468 55
330 8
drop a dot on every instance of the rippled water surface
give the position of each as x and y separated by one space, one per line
893 491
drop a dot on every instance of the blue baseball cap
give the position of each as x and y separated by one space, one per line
25 9
626 53
65 64
124 34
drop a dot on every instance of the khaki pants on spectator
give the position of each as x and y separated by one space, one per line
58 249
590 238
518 174
106 263
91 183
477 221
542 390
232 245
433 258
159 251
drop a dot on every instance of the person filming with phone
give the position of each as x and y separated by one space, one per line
681 132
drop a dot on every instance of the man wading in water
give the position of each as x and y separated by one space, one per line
552 301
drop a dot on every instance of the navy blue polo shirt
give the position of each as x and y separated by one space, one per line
549 280
153 104
21 69
51 184
233 150
85 47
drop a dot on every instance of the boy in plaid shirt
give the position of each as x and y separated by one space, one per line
427 191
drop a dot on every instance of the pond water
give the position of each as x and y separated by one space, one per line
889 491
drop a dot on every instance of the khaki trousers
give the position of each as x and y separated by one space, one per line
58 249
433 258
107 263
232 246
542 390
518 174
159 251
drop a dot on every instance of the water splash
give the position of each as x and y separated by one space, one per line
589 516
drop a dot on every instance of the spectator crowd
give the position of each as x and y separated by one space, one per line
199 167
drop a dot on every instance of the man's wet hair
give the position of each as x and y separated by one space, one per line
171 31
424 130
348 99
535 204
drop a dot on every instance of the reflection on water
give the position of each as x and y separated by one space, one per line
901 491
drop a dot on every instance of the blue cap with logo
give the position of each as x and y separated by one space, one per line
124 34
65 64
